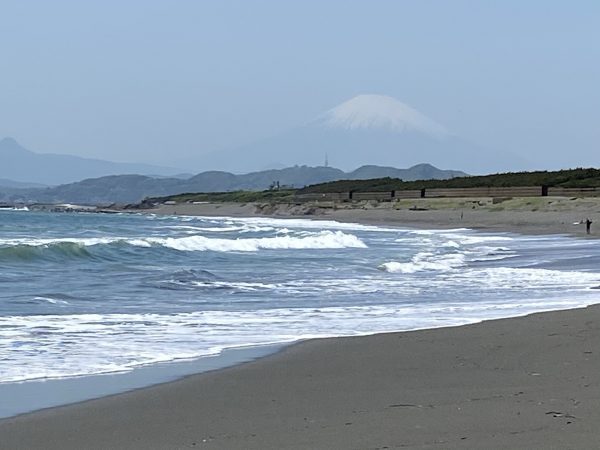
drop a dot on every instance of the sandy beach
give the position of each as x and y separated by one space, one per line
529 382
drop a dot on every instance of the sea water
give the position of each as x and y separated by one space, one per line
88 294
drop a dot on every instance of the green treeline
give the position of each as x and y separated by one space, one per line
563 178
574 178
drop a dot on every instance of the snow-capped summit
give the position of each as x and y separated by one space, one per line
365 130
380 112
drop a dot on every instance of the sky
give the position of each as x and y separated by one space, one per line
170 81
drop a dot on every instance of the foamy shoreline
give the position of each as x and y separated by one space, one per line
528 382
322 393
546 215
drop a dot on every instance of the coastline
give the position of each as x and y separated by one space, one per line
32 396
526 382
544 215
449 387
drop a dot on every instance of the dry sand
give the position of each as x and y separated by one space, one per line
531 382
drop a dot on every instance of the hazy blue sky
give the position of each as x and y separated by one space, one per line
160 80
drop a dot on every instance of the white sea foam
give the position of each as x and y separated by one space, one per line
315 287
306 224
244 228
470 239
322 240
15 208
40 242
426 261
54 301
310 240
486 253
58 346
239 285
527 279
137 242
438 232
460 278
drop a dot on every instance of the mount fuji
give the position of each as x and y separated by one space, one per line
367 129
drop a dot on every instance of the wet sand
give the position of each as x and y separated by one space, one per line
530 382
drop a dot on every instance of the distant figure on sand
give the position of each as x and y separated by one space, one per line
588 225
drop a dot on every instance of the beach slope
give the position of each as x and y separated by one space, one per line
529 382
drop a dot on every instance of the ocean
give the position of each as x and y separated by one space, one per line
84 295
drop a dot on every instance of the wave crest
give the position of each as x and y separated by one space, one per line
322 240
426 262
52 251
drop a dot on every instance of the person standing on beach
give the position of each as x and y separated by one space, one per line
588 225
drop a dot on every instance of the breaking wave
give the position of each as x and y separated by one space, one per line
56 251
25 249
323 240
426 262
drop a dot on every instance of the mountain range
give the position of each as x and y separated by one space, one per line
133 188
367 129
19 165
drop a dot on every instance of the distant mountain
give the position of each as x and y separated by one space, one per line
367 129
133 188
22 165
4 183
418 172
